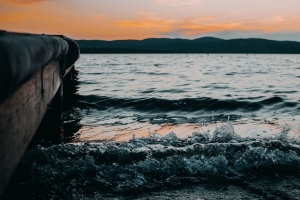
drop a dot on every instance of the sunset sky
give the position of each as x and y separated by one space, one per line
139 19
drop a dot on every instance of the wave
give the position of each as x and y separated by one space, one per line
152 162
186 105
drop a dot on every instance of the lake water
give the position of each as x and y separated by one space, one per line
148 122
158 93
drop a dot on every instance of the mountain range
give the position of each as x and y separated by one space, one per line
200 45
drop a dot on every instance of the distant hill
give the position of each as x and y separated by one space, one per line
200 45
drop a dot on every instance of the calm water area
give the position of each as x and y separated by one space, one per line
180 126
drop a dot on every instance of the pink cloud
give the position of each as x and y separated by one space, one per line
179 2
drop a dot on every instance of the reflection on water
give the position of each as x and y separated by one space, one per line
258 128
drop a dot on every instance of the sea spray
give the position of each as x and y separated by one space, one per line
284 132
145 163
224 133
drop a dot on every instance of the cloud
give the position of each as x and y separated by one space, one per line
211 25
48 17
178 2
190 26
20 2
147 21
14 17
278 18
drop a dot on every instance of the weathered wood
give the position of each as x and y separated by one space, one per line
21 114
22 55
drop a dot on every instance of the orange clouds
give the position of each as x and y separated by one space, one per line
14 17
189 30
101 27
73 25
148 21
20 2
206 25
57 17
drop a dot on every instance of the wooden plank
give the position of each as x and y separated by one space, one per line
21 114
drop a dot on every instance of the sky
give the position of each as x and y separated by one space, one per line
139 19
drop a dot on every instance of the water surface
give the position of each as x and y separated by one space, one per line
126 94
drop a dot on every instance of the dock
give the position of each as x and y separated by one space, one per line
33 69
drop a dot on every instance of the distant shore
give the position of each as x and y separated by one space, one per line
205 45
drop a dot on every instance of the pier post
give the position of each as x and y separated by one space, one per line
32 69
21 114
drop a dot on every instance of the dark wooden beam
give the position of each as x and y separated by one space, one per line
21 114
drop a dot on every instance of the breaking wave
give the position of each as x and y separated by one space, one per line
143 164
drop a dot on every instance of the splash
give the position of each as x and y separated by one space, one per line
143 164
224 133
283 135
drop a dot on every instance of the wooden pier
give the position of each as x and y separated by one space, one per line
32 72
